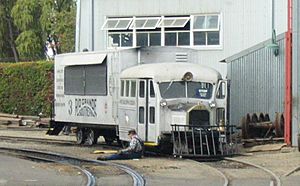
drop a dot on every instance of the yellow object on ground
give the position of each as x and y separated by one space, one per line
105 152
150 144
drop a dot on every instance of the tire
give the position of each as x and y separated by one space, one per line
91 137
80 136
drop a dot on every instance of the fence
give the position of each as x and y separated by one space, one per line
204 141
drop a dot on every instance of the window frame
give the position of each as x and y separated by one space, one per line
163 31
179 31
84 80
148 37
120 39
133 26
206 46
161 23
116 19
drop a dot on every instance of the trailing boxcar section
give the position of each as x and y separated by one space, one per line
102 96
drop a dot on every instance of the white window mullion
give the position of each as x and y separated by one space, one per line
148 34
134 33
191 31
176 38
162 34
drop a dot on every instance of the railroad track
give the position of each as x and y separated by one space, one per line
75 162
274 179
40 140
52 141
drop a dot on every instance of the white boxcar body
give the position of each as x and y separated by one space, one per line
111 92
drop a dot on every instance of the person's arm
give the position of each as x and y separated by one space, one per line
132 146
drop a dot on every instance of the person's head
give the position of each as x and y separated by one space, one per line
131 133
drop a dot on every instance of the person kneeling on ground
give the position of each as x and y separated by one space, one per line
134 151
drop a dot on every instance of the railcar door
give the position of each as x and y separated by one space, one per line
221 103
147 110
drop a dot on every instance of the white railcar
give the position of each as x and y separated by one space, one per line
106 94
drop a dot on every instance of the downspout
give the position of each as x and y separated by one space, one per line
288 78
77 37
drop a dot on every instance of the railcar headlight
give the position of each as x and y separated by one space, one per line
212 104
163 103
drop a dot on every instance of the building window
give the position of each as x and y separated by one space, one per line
206 30
120 39
195 30
177 38
174 22
117 23
145 23
148 39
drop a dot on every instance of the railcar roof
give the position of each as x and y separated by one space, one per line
171 71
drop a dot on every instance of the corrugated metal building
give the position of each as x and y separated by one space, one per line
216 29
257 81
296 72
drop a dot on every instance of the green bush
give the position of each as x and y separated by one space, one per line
26 88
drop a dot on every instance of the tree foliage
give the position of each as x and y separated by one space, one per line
33 22
26 88
8 31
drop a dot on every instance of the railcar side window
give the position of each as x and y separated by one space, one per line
86 79
141 115
152 115
142 89
95 80
127 88
222 91
74 80
152 93
133 89
122 88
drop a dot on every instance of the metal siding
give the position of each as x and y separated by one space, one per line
257 82
295 72
240 19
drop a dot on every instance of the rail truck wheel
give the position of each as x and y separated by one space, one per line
80 137
108 140
91 137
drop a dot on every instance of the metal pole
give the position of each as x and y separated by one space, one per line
288 78
273 18
78 14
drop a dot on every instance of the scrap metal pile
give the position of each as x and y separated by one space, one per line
22 120
259 127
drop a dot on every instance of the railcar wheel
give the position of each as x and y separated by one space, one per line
80 137
108 140
91 137
279 125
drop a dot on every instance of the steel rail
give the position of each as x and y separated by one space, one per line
272 174
91 180
138 179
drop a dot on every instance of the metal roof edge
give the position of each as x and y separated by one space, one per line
252 49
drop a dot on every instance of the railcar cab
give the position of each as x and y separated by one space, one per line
154 96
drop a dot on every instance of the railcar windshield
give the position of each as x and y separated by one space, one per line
183 89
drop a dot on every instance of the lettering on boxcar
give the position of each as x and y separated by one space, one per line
85 107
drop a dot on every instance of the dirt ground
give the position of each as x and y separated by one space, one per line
167 170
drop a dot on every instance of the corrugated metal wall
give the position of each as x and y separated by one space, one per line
296 72
256 81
